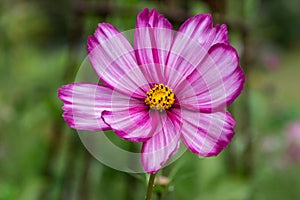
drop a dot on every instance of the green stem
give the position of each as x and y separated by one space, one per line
150 186
159 196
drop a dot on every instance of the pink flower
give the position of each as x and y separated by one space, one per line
293 141
168 88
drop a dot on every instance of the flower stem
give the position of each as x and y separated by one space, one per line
150 187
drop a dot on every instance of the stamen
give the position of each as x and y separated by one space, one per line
160 98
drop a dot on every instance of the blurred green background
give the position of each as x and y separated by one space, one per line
42 44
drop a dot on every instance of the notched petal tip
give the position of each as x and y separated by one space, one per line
83 105
198 21
144 12
103 32
224 46
204 16
68 117
152 19
200 28
65 91
92 43
221 35
241 81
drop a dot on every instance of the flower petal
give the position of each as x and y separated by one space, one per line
192 41
185 55
162 145
84 103
216 82
135 123
113 59
207 134
153 38
200 28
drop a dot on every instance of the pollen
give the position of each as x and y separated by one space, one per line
160 98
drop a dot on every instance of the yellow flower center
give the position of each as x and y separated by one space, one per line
160 98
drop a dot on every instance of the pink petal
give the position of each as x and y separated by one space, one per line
216 82
185 55
200 28
162 145
83 105
152 41
135 123
192 41
114 61
206 134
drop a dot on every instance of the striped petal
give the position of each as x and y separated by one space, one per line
207 134
113 59
83 105
193 39
153 38
185 55
135 122
200 28
162 145
216 82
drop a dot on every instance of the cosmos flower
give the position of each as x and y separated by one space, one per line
169 87
293 142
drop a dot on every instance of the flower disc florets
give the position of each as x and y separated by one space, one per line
160 98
